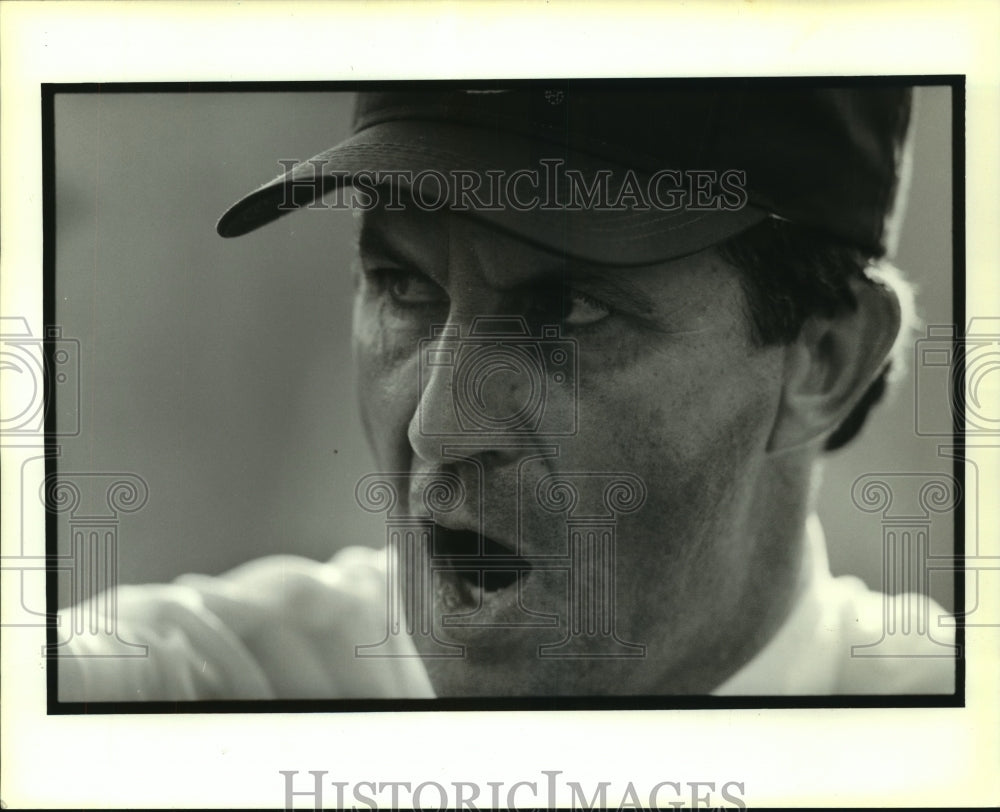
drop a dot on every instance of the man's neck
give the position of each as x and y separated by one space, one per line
779 572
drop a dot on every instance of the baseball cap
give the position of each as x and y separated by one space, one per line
632 173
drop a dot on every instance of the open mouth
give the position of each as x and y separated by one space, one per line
478 560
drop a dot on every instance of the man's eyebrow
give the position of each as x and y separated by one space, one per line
372 241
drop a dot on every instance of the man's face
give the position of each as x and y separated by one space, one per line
670 389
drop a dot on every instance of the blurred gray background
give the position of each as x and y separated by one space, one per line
219 370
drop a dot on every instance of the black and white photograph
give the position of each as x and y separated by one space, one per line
387 432
514 390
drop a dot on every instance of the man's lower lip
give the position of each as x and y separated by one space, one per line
463 591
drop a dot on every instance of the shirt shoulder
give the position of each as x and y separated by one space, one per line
841 638
276 627
893 644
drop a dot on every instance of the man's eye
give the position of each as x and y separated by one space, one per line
408 288
581 310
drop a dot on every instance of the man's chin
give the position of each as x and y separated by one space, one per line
500 673
493 661
526 662
517 671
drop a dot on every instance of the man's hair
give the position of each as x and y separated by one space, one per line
791 272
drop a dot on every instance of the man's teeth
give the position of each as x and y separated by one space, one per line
449 595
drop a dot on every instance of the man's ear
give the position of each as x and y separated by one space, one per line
831 364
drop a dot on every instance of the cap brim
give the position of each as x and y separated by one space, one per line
615 235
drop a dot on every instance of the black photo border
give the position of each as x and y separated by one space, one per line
957 83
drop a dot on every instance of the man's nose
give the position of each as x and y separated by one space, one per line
485 394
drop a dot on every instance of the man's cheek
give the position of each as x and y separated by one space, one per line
387 383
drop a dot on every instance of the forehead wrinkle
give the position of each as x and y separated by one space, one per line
372 239
610 281
506 263
499 261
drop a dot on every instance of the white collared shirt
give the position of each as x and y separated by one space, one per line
843 638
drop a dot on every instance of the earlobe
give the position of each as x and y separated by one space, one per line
828 367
